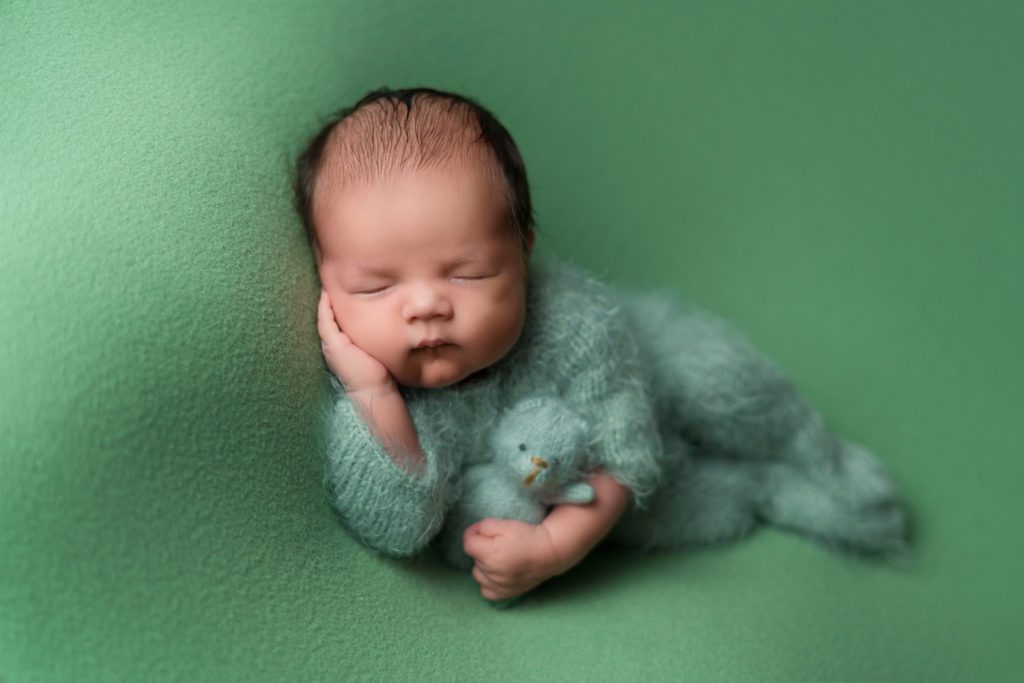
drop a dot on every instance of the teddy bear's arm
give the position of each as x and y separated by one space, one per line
577 492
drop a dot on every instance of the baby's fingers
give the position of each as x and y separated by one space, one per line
475 544
490 588
326 325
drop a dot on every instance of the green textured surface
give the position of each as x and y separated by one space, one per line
843 181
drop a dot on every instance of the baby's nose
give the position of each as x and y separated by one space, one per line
425 303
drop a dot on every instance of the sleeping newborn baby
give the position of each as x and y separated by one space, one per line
436 315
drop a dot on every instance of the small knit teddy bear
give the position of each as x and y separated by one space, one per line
539 449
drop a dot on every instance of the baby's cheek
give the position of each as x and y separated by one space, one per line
504 318
367 330
342 312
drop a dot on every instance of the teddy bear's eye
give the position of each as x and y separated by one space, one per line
522 446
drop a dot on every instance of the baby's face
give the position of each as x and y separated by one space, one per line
420 258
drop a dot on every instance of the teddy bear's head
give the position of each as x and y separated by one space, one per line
542 441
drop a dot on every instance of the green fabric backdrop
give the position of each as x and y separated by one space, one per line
843 180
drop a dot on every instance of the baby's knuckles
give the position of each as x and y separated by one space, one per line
526 558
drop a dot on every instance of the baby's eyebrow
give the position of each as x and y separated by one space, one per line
464 259
367 270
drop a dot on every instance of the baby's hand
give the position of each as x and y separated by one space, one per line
511 557
356 369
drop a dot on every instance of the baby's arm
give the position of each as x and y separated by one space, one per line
372 389
576 529
386 414
388 494
512 558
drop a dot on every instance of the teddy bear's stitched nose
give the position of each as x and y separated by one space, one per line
538 465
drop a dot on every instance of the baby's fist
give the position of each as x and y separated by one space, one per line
510 557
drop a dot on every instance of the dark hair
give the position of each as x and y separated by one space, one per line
492 133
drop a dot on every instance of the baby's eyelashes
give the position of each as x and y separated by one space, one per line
372 292
369 292
472 277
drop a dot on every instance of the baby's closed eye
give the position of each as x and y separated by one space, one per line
473 277
371 292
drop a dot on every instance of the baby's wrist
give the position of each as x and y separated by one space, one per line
557 560
371 391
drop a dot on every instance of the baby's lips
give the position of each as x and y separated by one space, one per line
434 342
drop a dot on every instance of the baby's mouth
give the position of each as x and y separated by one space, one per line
432 344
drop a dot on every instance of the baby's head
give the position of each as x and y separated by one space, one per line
417 208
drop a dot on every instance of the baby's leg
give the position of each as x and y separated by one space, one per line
706 500
703 501
715 501
749 424
714 387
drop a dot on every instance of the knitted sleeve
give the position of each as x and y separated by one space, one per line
386 508
605 379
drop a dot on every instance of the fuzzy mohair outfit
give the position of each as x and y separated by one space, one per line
710 436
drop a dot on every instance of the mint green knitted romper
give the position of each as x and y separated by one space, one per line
710 437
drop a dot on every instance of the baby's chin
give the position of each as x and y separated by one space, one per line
428 384
432 373
432 382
